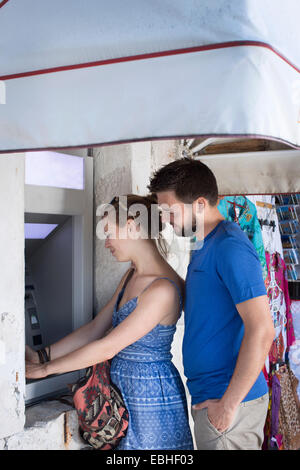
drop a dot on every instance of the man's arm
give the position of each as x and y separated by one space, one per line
258 336
256 343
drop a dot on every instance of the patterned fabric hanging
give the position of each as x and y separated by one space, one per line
280 306
289 411
268 219
241 210
294 353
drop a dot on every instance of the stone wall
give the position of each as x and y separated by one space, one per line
12 380
49 426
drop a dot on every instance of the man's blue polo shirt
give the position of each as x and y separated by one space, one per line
222 273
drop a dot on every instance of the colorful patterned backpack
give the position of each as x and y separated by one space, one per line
102 415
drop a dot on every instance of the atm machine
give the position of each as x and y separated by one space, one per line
58 223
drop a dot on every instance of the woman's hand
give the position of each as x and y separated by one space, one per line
31 355
35 371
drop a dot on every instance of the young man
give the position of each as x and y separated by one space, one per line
228 324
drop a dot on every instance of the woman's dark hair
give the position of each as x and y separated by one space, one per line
188 178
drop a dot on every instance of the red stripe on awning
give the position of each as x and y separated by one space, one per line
151 55
3 3
149 138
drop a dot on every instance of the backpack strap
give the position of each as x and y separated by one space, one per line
129 276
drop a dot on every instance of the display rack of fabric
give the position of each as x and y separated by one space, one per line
288 210
257 216
283 405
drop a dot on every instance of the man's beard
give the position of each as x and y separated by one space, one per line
187 231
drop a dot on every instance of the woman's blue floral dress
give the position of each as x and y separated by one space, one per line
152 388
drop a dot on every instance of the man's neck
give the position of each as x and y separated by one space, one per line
210 222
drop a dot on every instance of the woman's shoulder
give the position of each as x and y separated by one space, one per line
167 281
174 277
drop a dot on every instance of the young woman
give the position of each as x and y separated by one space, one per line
142 321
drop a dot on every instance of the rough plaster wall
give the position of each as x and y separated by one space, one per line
140 167
164 152
112 177
49 426
12 381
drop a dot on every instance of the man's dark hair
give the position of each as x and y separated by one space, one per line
188 178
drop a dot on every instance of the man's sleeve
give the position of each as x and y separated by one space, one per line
239 268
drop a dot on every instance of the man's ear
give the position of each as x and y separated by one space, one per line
201 203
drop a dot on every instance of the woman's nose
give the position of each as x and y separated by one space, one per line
167 218
164 217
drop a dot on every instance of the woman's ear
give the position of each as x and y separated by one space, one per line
134 230
130 225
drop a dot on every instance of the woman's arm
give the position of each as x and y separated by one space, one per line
92 331
154 305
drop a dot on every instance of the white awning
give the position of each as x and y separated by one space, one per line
273 172
76 73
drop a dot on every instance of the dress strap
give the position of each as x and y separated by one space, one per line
178 290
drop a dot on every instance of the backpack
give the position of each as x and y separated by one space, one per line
102 415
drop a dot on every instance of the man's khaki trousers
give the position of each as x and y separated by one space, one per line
245 433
